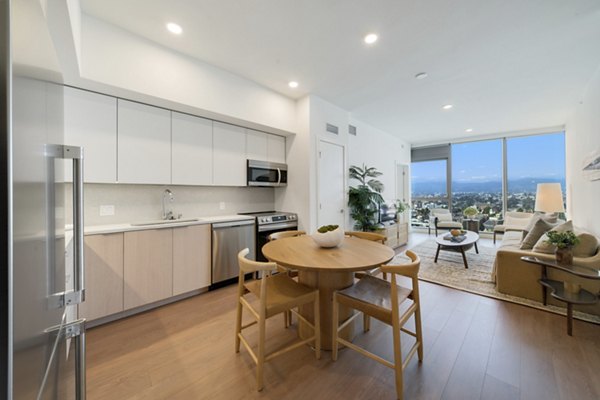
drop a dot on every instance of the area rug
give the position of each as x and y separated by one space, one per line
450 271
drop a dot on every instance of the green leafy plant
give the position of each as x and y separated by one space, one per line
562 240
401 206
365 198
327 228
471 211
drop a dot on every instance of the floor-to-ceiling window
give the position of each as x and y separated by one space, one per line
477 181
429 182
531 160
493 176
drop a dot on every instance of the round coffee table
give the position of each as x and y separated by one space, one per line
458 247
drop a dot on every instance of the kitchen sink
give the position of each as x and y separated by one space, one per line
164 221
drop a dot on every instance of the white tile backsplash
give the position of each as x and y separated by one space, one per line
144 202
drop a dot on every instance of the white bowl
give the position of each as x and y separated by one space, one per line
329 239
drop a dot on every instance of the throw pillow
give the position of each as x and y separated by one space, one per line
535 233
587 246
552 217
444 217
542 247
515 223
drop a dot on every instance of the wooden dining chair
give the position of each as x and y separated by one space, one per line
276 294
292 273
374 237
382 299
284 234
281 235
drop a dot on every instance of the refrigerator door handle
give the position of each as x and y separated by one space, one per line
75 330
77 295
76 153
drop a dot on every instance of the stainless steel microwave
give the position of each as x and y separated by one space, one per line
264 173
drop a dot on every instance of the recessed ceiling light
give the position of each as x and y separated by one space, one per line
371 38
469 130
447 106
293 84
174 28
421 75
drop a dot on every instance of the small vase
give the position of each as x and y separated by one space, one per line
564 256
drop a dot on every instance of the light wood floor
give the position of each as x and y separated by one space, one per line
475 348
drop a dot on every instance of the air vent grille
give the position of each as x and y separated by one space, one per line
352 130
332 128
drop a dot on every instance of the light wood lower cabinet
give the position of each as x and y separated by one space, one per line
148 266
191 258
397 234
104 276
402 233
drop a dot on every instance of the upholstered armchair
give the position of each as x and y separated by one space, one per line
440 218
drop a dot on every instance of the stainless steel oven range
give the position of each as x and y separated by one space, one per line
268 222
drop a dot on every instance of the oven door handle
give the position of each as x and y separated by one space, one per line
278 176
274 227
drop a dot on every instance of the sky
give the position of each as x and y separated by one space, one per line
539 156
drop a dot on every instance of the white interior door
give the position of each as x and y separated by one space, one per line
332 185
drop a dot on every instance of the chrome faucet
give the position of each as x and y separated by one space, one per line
167 195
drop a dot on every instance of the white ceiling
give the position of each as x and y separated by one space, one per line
505 65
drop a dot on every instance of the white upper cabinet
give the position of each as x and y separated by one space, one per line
144 137
229 155
191 150
275 148
91 121
256 145
264 146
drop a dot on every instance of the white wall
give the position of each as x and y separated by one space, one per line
295 197
117 58
378 149
144 202
371 146
583 138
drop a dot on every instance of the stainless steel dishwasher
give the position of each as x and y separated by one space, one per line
228 238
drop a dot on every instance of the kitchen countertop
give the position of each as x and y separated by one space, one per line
128 227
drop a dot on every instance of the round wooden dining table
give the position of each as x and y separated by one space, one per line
327 269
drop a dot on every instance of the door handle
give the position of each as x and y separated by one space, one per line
72 330
77 295
278 176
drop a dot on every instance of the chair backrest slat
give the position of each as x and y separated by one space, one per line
372 236
285 234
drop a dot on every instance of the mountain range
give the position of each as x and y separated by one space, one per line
515 185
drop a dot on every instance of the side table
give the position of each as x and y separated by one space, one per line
473 225
558 290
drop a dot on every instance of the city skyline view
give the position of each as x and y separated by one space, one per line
477 175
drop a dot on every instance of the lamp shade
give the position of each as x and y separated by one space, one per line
549 198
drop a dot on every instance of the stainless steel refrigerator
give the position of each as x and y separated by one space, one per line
43 342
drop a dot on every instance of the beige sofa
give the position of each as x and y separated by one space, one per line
519 278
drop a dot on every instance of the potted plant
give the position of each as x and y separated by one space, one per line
564 242
400 208
328 236
364 199
470 212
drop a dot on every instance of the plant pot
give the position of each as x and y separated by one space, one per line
564 256
329 239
